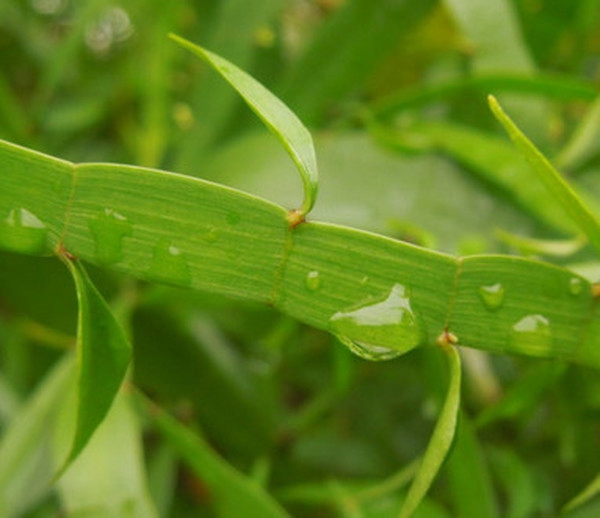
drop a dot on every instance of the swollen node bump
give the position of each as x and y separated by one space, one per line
447 338
295 217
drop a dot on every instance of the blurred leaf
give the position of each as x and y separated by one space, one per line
556 87
108 478
103 356
469 476
26 465
523 395
345 50
533 246
231 30
280 120
232 494
441 440
589 492
563 194
490 157
583 144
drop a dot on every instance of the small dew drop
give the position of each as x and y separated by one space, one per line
492 296
313 280
531 335
380 330
169 264
109 228
233 218
575 286
22 231
211 235
364 280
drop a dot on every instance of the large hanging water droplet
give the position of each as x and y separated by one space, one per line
313 280
492 296
380 330
531 335
169 264
22 231
575 286
109 228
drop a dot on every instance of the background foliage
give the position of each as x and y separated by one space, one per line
395 95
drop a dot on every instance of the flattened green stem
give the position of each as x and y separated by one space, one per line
280 120
554 182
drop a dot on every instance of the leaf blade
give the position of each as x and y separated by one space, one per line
554 182
441 440
102 360
280 120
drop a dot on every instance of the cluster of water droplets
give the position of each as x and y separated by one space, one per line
380 329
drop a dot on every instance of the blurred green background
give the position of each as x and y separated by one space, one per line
394 92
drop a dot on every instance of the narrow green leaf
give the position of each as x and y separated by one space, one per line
583 144
282 122
555 87
232 493
108 478
589 492
26 467
360 34
469 476
533 246
103 356
555 183
441 440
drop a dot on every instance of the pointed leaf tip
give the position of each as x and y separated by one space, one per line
280 120
103 354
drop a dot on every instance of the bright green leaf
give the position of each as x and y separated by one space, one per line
108 478
441 440
232 493
564 195
26 467
103 354
277 116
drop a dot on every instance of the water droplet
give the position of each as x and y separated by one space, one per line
211 235
364 280
575 286
22 231
313 280
492 296
109 228
233 218
382 329
169 264
531 334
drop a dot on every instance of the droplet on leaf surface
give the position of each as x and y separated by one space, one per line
381 329
22 231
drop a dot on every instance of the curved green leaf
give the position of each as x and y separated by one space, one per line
26 467
282 122
441 440
232 493
554 182
108 478
103 354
